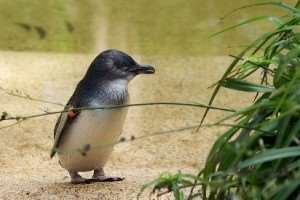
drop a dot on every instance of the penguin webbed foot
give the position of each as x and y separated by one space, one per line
106 179
77 179
99 176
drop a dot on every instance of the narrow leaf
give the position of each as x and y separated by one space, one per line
270 155
245 86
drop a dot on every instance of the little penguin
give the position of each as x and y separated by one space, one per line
83 139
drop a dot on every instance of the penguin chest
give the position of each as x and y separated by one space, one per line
89 141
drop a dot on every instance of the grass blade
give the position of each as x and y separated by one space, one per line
270 155
245 86
272 3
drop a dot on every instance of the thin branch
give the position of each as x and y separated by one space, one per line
28 97
115 107
164 132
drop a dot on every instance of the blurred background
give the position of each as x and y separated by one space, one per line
170 27
46 47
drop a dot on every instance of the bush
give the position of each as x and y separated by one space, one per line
258 157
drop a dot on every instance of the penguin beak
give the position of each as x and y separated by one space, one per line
143 69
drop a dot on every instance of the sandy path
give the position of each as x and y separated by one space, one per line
26 172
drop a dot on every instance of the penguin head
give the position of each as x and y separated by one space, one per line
114 64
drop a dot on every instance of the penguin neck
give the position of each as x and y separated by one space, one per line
113 92
116 86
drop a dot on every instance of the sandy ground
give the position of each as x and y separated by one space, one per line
27 172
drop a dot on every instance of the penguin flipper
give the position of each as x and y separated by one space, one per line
62 123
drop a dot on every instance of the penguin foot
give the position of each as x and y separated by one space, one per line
77 179
106 179
100 177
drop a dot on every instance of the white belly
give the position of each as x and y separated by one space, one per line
98 130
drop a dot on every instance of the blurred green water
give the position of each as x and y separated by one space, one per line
156 27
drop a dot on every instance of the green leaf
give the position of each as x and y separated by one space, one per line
286 190
268 3
262 40
276 21
297 4
291 134
270 155
245 86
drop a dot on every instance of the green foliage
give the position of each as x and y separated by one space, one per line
257 160
172 183
259 156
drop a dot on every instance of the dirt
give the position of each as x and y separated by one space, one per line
26 170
